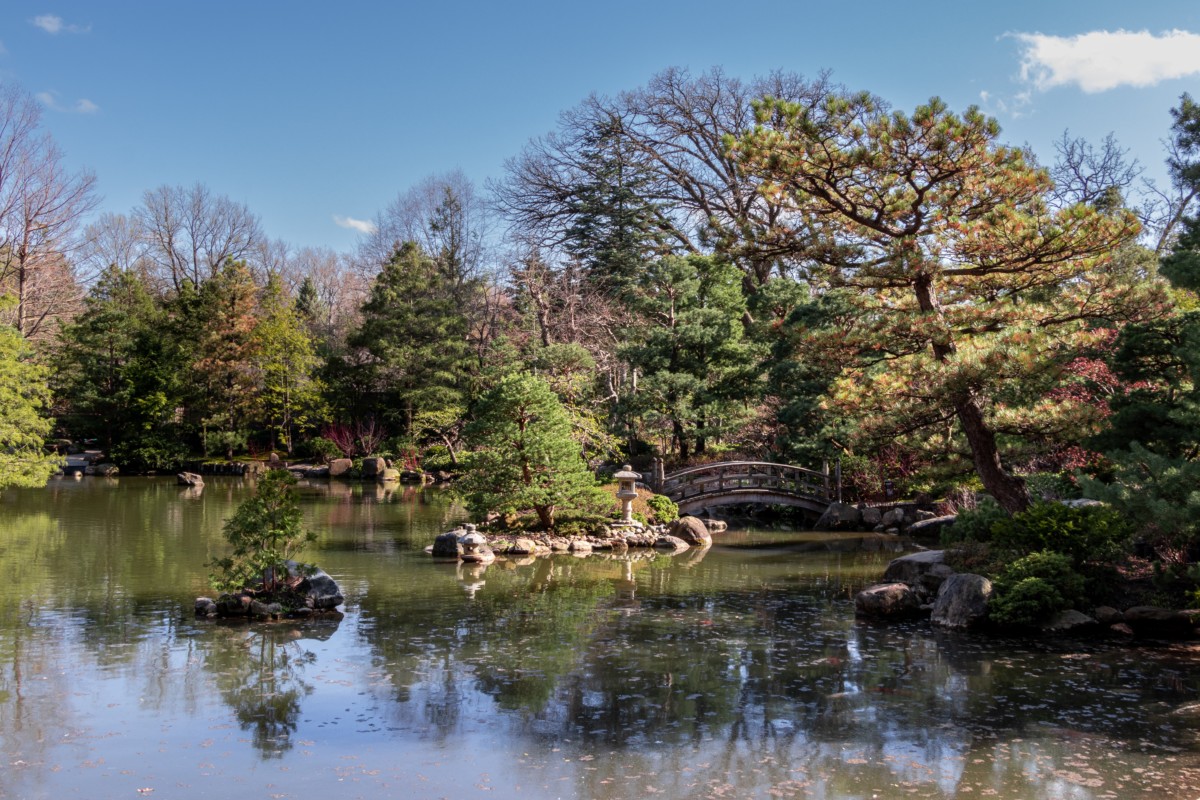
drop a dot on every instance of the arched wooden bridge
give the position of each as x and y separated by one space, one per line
741 482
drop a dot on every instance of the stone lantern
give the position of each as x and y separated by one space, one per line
627 493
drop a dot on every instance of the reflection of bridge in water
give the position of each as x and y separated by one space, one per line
748 482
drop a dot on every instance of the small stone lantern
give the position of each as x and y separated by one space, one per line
627 493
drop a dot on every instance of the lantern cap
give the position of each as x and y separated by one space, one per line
626 473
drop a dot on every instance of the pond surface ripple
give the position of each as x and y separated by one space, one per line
737 672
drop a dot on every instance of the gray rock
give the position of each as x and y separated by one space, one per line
839 517
1107 615
962 601
388 475
446 545
523 547
931 527
189 479
265 610
581 546
373 467
909 569
1081 502
871 516
233 605
320 591
1154 621
887 601
340 467
103 470
893 518
672 543
691 530
715 525
1070 621
205 607
317 472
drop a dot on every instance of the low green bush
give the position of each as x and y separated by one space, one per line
1030 590
323 449
663 508
976 524
1087 533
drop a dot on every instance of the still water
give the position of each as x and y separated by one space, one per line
740 672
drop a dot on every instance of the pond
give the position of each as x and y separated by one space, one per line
738 672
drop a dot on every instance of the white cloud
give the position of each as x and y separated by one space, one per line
54 25
1101 60
49 23
81 106
360 225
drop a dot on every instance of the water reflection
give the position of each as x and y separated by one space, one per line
735 671
260 672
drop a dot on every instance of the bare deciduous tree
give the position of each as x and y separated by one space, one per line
190 233
42 205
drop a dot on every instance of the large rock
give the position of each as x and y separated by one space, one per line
691 530
893 518
446 545
962 601
373 467
190 479
102 470
887 601
871 516
1154 621
1070 622
388 475
839 517
320 591
910 568
340 467
931 527
524 547
672 543
715 525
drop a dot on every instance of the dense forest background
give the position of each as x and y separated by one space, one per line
698 268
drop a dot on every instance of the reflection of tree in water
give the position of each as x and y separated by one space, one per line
259 671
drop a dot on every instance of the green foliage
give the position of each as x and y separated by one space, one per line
324 449
696 365
1160 494
1031 589
265 532
525 456
288 397
413 340
975 525
664 508
24 395
1087 533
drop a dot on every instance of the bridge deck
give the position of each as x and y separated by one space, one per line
729 482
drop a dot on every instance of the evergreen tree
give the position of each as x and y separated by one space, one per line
975 293
414 342
24 395
697 370
117 373
525 456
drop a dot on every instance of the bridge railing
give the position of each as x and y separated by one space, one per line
729 477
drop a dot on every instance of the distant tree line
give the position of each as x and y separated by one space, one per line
698 268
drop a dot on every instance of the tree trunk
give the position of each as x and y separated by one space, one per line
1009 490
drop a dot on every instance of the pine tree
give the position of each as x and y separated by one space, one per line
525 456
972 293
414 336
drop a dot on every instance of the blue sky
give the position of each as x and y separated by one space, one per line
313 111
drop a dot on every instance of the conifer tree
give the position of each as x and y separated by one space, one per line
24 395
972 293
525 456
288 396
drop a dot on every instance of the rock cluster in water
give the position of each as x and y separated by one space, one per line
305 593
470 545
906 519
923 584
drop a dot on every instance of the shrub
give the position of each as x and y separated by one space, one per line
975 525
324 449
1088 533
663 508
1030 590
265 532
